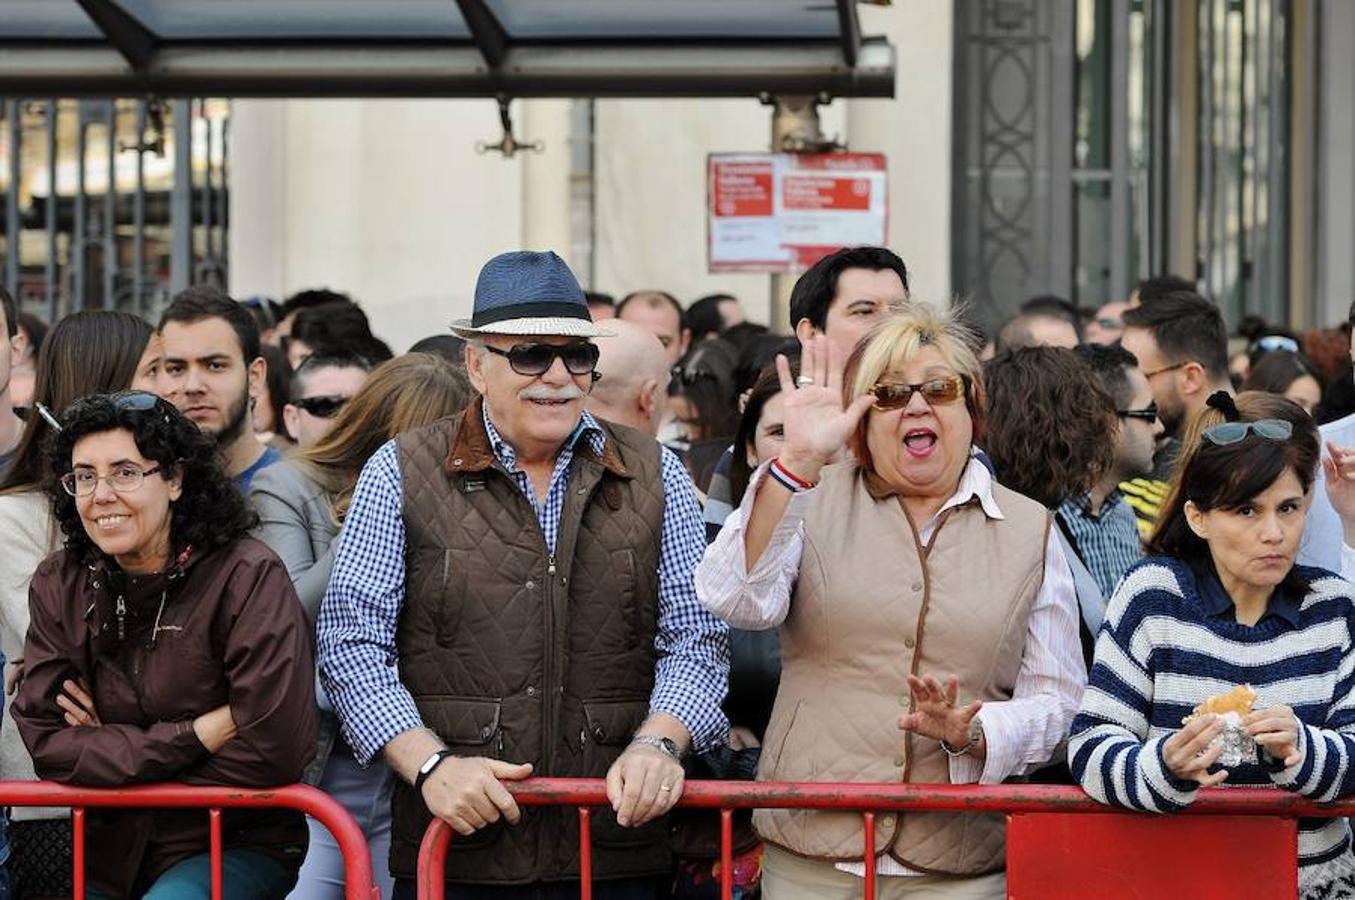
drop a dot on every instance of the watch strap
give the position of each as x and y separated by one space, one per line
429 766
667 745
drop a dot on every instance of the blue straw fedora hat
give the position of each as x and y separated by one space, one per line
528 293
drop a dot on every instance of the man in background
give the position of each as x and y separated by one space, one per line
633 389
320 387
660 312
1181 343
213 372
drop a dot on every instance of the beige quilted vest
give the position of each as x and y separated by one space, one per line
870 606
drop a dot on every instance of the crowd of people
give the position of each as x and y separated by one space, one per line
247 545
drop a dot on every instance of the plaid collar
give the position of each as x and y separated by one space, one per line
588 427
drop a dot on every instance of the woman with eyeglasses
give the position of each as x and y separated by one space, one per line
1219 604
302 502
86 352
165 644
927 615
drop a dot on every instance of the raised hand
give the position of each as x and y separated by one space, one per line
817 425
1338 470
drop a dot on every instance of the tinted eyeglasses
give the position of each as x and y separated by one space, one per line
322 407
536 359
935 391
1147 413
1231 432
83 482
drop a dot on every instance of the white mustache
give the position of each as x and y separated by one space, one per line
542 392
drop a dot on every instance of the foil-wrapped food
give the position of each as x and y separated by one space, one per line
1230 707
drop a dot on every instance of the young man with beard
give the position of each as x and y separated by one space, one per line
1100 524
213 372
1181 343
842 296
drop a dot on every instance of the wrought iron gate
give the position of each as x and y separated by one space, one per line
112 204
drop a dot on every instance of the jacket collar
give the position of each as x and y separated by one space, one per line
471 449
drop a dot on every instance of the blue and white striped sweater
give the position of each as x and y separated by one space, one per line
1161 651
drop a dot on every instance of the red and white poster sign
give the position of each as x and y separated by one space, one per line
781 212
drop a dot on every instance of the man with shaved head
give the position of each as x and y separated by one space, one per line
633 389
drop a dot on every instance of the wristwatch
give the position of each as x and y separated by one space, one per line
667 745
429 765
972 737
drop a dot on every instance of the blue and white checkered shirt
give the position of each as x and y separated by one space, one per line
355 633
1108 544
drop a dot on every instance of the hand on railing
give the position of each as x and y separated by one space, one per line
467 792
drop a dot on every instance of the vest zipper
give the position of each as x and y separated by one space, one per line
550 695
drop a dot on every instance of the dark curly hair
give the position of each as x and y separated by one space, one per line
1051 426
210 512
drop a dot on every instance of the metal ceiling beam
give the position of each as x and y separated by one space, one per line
849 28
125 32
486 30
724 69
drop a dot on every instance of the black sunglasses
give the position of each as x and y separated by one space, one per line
1147 414
580 358
322 407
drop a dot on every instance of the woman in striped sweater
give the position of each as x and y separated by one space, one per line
1219 603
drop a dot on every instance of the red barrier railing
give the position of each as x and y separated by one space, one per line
357 860
1022 803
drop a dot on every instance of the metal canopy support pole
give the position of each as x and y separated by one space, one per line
850 27
12 113
488 33
181 200
795 127
139 213
50 269
128 36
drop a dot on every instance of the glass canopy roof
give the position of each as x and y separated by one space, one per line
440 47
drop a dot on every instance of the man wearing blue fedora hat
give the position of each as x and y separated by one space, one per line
513 595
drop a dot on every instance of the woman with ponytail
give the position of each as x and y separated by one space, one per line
1219 609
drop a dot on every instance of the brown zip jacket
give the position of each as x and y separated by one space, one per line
223 627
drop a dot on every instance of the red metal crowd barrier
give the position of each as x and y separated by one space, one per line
1060 843
357 859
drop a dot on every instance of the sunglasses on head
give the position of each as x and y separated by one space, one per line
1147 413
322 407
935 391
1272 342
580 358
1231 432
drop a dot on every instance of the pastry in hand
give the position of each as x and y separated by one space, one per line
1239 700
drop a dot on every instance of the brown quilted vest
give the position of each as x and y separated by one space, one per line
870 606
514 654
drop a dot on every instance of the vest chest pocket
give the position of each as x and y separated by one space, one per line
608 727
